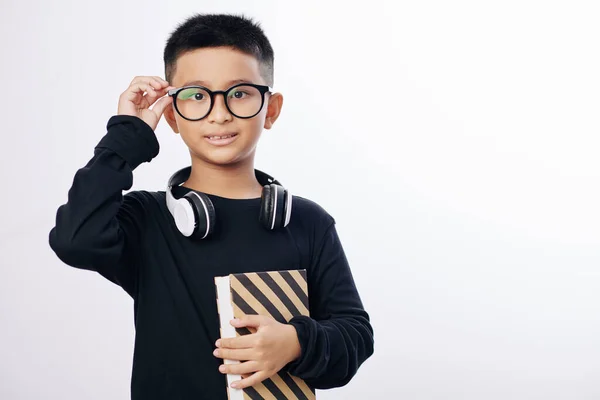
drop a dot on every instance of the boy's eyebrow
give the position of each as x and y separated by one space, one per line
202 83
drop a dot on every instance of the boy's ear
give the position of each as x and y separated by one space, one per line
273 109
170 117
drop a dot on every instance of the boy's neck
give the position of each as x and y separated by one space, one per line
235 182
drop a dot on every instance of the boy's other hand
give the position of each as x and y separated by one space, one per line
142 93
264 353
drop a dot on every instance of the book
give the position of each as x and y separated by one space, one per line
279 294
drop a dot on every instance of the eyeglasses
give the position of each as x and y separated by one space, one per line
244 100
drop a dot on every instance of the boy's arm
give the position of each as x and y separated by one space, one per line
97 224
338 337
98 228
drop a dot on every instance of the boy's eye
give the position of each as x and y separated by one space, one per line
192 94
237 94
241 92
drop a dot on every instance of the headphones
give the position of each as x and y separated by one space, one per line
194 213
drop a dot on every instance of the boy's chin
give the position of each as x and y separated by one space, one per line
222 157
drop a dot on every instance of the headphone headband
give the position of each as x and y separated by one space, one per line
183 174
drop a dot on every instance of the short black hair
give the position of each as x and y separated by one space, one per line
216 30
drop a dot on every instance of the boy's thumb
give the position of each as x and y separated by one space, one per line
161 105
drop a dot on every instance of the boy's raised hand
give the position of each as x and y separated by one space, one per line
264 353
143 92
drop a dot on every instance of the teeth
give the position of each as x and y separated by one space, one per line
219 137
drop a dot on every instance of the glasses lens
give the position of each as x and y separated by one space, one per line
244 101
193 103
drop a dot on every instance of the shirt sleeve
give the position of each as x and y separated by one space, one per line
98 228
338 337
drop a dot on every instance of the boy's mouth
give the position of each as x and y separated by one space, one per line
221 140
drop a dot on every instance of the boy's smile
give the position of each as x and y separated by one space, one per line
221 139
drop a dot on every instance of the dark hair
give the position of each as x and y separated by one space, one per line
216 30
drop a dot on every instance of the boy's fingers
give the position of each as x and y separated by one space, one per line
162 81
251 380
145 79
150 81
234 354
154 94
254 321
138 89
161 105
243 368
240 342
156 83
144 92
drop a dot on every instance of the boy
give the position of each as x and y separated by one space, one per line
219 70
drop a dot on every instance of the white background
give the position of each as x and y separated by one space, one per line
454 142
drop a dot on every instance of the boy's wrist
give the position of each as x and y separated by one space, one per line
294 343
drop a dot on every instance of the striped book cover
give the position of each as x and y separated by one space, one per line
279 294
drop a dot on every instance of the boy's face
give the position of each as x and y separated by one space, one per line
219 68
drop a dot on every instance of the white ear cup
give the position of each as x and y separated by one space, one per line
184 217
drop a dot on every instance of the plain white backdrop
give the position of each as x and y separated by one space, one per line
456 143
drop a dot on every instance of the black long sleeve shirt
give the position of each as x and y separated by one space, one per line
131 239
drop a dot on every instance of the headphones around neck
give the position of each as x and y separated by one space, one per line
194 213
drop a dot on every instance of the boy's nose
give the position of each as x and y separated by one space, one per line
219 113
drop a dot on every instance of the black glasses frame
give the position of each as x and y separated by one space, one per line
261 88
